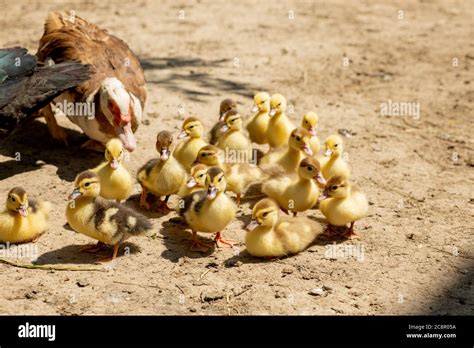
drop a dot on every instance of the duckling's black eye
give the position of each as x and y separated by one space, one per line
191 127
309 168
220 179
298 138
13 199
265 214
279 104
201 175
333 188
203 155
335 145
87 184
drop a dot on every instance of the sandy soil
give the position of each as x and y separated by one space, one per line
417 172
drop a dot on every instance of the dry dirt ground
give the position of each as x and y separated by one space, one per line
342 59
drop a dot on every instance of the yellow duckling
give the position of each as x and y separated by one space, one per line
257 125
298 193
196 182
239 176
269 235
289 158
225 106
232 137
115 180
279 126
310 123
209 210
23 220
333 163
346 204
187 150
163 176
106 221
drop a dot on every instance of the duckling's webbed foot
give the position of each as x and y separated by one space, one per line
93 248
198 245
143 202
225 243
110 258
237 199
351 234
329 231
162 206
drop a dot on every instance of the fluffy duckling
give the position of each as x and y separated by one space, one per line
269 235
209 210
232 137
279 126
196 182
343 203
163 176
257 125
115 180
23 220
187 150
310 123
289 158
298 193
333 163
239 176
106 221
225 106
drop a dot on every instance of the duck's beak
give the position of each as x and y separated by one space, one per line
125 134
307 150
312 131
328 153
211 192
255 108
182 134
164 154
114 164
191 183
252 225
320 179
23 211
224 128
324 195
76 193
272 112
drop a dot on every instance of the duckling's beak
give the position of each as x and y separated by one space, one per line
114 164
307 150
23 211
76 193
312 131
164 154
182 134
272 112
328 153
255 108
320 179
252 225
191 183
224 128
323 196
211 192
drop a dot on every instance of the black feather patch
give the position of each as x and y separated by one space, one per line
193 197
33 205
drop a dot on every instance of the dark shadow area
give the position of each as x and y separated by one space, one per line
71 254
34 147
176 237
193 84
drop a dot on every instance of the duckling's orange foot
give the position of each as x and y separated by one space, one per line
224 243
143 202
329 231
92 248
93 145
350 234
110 258
200 247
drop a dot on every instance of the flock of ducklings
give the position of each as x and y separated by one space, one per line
292 173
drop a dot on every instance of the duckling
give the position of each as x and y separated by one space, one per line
225 106
115 180
106 221
343 203
239 176
209 210
269 235
232 137
332 163
186 151
257 125
298 193
23 220
163 176
310 123
290 157
196 182
279 126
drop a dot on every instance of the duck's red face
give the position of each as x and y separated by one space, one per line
122 122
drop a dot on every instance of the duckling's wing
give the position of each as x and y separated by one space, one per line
193 201
215 133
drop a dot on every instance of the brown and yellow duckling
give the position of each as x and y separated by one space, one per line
186 151
196 181
310 123
232 137
225 106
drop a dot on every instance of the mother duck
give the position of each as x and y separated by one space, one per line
116 90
